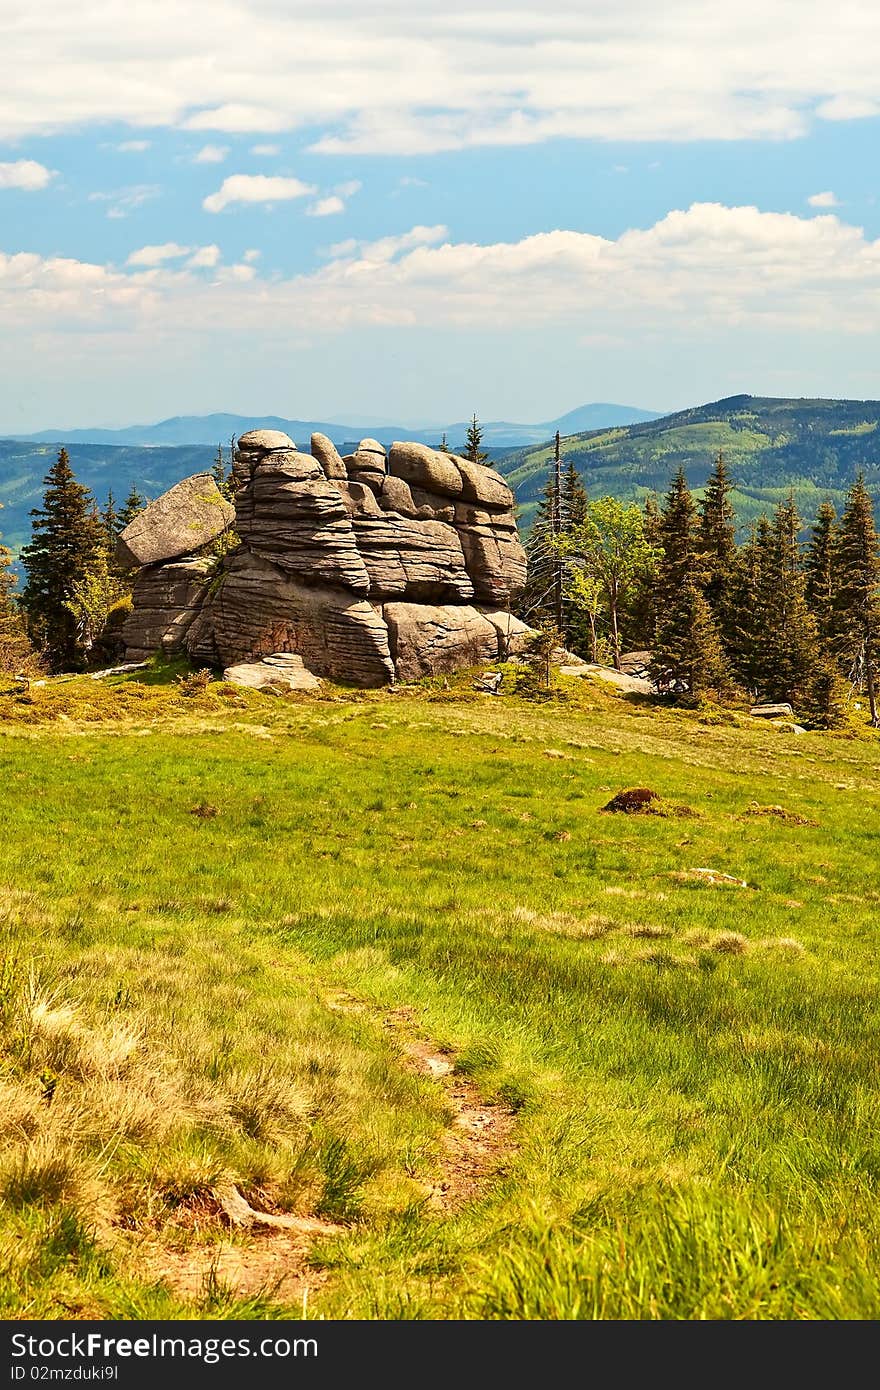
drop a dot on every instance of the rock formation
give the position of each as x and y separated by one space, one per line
365 568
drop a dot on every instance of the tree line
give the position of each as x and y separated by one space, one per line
769 617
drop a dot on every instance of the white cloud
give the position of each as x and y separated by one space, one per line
25 174
156 255
266 151
211 154
326 207
699 272
420 77
205 257
133 146
348 190
255 188
125 200
251 255
823 200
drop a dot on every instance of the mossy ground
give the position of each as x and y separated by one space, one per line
190 882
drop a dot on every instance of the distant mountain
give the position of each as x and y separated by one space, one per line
813 447
217 429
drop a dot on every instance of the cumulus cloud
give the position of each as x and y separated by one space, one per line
26 174
211 154
256 188
326 207
823 200
265 151
133 146
251 255
204 258
422 77
155 255
697 271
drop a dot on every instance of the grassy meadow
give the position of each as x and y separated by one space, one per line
380 963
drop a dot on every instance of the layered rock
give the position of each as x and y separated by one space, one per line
356 569
166 599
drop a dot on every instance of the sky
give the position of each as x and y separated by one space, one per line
324 209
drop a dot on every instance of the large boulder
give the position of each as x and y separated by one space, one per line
429 640
426 468
282 670
483 485
258 609
327 454
184 519
165 601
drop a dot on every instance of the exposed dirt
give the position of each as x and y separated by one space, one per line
479 1140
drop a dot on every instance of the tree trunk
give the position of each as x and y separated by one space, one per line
872 691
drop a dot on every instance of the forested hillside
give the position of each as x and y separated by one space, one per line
814 447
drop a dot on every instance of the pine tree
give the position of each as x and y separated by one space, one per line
746 640
821 566
222 473
110 521
778 648
572 498
717 545
537 604
472 448
133 505
825 702
857 604
677 533
66 541
688 655
443 447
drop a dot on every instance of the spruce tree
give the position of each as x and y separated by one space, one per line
677 568
717 546
747 646
133 505
66 540
784 641
572 499
474 439
857 603
443 447
688 656
820 567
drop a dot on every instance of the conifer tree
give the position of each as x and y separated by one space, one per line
472 449
717 545
678 540
443 447
66 541
572 499
857 603
677 569
688 655
641 612
782 640
134 503
820 567
110 521
747 645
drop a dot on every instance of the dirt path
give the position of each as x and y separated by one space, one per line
257 1251
479 1141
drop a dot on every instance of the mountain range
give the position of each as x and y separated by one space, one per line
218 429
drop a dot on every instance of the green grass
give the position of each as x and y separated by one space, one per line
188 882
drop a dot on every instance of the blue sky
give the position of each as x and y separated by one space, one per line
317 210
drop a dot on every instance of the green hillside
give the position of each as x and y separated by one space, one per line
815 447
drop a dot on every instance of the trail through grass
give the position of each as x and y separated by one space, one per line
686 1068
